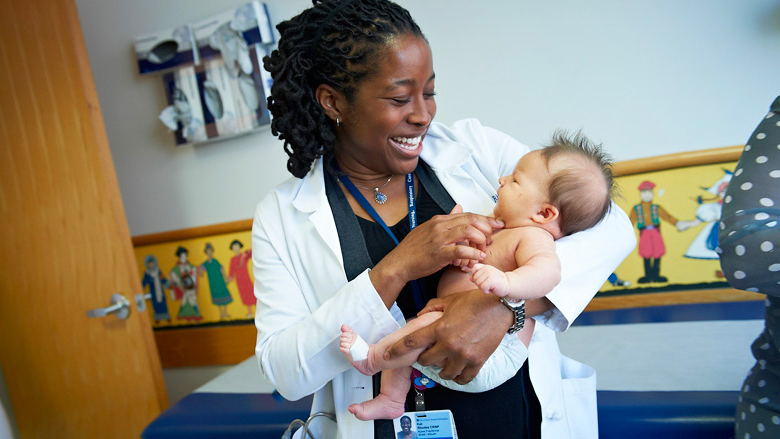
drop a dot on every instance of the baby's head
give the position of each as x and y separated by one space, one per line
566 187
581 184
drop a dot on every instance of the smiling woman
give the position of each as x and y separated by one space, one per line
353 101
383 124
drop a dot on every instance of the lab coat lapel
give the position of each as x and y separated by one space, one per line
312 199
451 162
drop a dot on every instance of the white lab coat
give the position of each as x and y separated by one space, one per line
303 296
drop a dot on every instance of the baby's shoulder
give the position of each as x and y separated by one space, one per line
524 232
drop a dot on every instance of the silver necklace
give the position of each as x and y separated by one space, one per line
379 197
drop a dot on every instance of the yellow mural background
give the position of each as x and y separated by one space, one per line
166 257
676 191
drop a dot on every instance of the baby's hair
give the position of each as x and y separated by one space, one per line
583 188
335 42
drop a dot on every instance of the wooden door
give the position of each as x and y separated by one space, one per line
64 242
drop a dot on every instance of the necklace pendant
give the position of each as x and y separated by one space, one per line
379 197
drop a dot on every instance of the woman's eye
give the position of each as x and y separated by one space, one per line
429 95
401 100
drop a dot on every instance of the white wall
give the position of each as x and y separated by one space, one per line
644 77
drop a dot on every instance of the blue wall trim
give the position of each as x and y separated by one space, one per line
750 310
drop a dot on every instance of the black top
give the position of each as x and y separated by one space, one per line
501 412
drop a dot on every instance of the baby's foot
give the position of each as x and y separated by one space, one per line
381 407
356 350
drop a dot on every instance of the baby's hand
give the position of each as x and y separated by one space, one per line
490 280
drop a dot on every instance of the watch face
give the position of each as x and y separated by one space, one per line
514 305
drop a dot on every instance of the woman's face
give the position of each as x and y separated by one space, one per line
406 425
385 123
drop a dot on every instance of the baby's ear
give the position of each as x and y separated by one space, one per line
546 214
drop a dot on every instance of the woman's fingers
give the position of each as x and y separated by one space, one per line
437 304
421 338
431 246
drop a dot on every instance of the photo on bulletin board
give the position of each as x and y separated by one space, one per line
675 215
199 281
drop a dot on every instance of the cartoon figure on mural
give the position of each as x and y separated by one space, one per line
615 281
708 212
184 282
238 271
155 284
704 244
220 296
647 218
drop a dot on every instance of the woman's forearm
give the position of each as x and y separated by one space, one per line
535 307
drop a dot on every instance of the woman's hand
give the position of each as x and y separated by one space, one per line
430 247
470 329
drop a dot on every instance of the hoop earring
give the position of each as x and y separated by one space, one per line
337 122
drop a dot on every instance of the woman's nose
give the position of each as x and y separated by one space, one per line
420 113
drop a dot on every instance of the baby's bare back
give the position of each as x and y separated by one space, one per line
500 254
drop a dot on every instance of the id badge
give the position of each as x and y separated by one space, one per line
433 424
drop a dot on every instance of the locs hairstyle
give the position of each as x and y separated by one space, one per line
335 42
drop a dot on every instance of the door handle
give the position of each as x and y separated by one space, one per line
140 301
120 306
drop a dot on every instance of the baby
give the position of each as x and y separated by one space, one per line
561 189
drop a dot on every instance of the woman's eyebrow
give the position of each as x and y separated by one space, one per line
407 82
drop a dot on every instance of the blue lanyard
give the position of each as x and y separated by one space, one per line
416 288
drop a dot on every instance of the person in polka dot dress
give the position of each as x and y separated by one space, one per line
750 258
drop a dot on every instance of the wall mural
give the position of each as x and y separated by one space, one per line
208 280
198 281
675 216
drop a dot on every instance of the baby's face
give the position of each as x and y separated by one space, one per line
523 192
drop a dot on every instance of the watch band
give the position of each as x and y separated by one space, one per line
518 309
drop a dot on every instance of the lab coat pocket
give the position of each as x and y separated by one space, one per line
579 393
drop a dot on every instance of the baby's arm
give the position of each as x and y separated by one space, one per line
538 269
351 345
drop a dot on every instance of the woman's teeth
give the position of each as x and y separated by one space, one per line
409 143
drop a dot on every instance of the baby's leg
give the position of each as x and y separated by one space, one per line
352 345
389 404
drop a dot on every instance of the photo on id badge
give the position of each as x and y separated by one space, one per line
435 424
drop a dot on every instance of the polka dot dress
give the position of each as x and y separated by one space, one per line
750 258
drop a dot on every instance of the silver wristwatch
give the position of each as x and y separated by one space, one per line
518 309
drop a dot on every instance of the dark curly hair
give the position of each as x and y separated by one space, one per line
335 42
583 188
